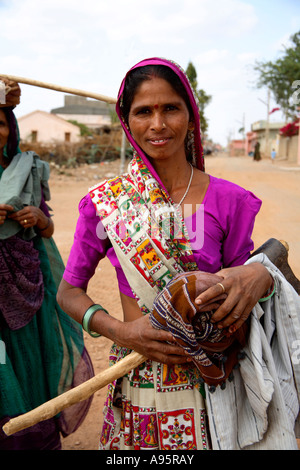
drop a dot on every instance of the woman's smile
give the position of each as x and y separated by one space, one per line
159 142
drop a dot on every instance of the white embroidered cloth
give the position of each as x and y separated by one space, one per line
259 409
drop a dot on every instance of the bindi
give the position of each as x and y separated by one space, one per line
156 106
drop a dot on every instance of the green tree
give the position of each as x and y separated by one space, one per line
203 98
282 77
84 130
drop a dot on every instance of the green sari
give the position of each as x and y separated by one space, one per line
41 360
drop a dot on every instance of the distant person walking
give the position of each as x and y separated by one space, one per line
273 155
257 155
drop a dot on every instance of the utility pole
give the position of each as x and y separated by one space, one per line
123 154
243 132
267 134
267 150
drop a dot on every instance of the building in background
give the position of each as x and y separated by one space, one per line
237 148
267 134
46 128
94 114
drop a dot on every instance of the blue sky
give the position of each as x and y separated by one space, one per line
91 44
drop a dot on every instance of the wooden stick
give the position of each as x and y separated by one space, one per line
80 393
51 86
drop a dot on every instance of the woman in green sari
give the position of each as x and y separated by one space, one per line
42 352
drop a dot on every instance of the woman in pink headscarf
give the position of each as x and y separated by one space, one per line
164 217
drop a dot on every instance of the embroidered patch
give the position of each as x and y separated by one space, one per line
142 376
139 427
178 377
144 428
177 430
107 436
147 254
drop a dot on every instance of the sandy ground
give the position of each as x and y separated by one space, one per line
278 185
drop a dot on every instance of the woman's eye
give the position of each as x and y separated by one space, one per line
144 111
171 107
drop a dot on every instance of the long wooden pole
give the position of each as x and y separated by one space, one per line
80 393
51 86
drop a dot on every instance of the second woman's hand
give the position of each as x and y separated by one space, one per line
5 210
31 216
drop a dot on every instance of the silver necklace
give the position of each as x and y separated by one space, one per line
188 186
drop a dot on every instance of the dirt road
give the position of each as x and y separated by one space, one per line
278 185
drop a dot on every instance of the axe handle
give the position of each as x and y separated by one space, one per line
51 86
80 393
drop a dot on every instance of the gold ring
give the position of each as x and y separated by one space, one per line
25 221
223 288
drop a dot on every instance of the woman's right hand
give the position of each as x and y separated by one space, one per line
4 210
155 344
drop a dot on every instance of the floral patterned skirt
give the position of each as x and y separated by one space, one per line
155 407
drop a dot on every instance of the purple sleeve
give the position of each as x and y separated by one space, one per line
238 243
88 248
44 207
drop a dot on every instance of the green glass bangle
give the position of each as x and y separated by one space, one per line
263 299
87 317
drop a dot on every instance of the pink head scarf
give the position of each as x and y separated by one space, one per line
198 150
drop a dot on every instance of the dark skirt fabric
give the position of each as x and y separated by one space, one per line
21 281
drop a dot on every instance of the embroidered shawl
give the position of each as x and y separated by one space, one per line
145 229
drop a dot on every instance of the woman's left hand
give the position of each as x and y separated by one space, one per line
27 217
30 216
244 286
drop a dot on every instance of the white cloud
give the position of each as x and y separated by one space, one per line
212 56
247 57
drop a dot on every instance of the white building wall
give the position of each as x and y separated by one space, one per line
48 128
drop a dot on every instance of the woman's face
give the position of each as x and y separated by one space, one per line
159 120
4 131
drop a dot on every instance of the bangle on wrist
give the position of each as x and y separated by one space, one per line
44 228
87 317
270 292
